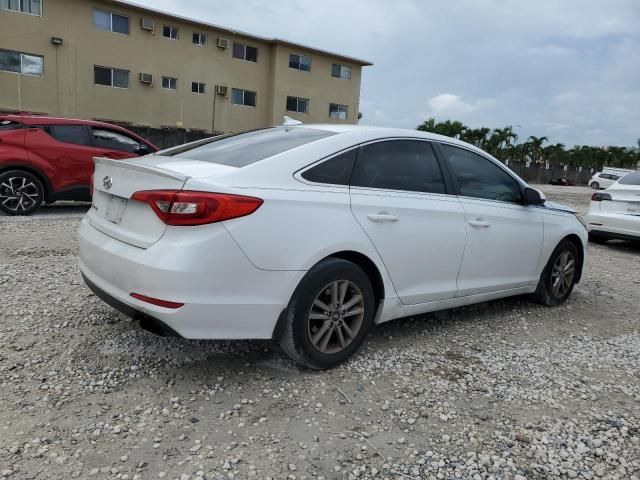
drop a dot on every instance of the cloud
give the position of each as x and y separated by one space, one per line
450 106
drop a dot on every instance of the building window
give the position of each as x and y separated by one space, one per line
297 104
32 7
198 87
300 62
19 62
103 20
199 38
111 77
341 71
170 32
338 111
245 52
170 83
243 97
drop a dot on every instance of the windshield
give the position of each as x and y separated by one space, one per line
249 147
630 179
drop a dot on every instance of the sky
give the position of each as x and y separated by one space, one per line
565 69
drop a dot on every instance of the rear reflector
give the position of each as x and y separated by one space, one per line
156 301
598 197
188 208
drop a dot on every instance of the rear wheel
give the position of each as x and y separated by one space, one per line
559 276
329 315
21 193
595 185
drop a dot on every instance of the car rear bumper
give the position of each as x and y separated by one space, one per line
224 295
614 225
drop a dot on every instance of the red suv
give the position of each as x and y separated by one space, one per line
44 159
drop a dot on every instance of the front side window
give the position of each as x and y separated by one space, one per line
170 32
199 38
341 71
408 165
198 87
340 112
111 77
335 171
32 7
75 134
249 147
300 62
19 62
170 83
479 177
243 97
245 52
111 140
297 104
103 20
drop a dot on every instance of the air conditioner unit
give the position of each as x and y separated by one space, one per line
147 24
223 43
222 90
146 78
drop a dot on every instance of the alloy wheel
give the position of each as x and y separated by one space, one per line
564 270
18 194
335 317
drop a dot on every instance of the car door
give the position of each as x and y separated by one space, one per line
400 198
64 153
504 237
111 143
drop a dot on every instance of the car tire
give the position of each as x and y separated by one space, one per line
555 283
595 185
314 341
599 239
21 193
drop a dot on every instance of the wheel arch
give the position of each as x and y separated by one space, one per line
44 180
575 239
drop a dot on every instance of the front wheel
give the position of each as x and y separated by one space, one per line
21 193
559 276
329 315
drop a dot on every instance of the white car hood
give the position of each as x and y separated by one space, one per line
559 206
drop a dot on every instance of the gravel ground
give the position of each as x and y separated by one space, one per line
504 390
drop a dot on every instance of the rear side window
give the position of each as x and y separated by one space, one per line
399 165
631 179
335 171
76 134
479 177
10 125
246 148
104 138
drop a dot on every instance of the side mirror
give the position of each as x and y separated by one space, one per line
143 150
533 197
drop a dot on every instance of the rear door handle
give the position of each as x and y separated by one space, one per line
479 224
382 217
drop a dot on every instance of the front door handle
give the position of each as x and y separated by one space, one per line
382 217
479 224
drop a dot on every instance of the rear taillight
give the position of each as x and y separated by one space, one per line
599 196
187 208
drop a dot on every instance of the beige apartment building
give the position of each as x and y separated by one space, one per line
116 61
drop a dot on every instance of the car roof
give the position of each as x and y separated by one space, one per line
29 119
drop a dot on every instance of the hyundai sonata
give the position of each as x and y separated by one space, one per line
310 235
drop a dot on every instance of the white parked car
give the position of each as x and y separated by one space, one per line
607 177
615 212
310 235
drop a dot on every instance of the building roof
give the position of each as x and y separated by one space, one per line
272 40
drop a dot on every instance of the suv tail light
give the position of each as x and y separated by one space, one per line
598 197
188 208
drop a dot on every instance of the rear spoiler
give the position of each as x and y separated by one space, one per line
129 165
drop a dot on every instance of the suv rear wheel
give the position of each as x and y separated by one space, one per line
21 193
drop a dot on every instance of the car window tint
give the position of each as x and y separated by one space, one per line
399 165
75 134
10 125
631 179
109 139
479 177
336 170
249 147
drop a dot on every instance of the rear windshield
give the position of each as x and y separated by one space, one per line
630 179
249 147
9 125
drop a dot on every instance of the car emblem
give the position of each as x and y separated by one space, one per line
107 182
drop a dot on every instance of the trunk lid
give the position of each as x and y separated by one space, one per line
624 199
115 181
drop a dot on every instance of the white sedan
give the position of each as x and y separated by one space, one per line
615 212
310 235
